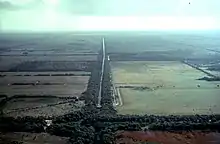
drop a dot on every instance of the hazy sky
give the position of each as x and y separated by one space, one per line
109 14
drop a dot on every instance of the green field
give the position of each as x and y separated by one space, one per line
173 89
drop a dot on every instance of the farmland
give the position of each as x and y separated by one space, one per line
89 87
44 106
42 75
171 88
32 138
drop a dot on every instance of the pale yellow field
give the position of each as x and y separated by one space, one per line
158 73
174 89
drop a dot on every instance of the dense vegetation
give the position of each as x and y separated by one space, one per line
26 124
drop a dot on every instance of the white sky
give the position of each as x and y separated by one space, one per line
116 15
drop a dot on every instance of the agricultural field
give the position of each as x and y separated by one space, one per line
44 106
45 74
37 95
10 80
21 49
135 42
49 43
55 89
9 62
32 138
102 87
164 87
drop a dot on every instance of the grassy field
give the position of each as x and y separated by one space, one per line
59 85
41 107
45 53
173 89
46 47
166 74
116 41
73 90
8 62
57 90
49 42
161 41
32 138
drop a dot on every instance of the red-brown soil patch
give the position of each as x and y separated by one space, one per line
158 137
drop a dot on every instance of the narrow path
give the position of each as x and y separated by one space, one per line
114 94
102 73
117 100
120 102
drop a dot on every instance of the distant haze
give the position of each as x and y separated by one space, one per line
77 15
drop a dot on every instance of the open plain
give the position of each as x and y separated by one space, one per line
85 87
164 88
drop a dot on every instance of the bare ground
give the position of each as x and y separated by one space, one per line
158 137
